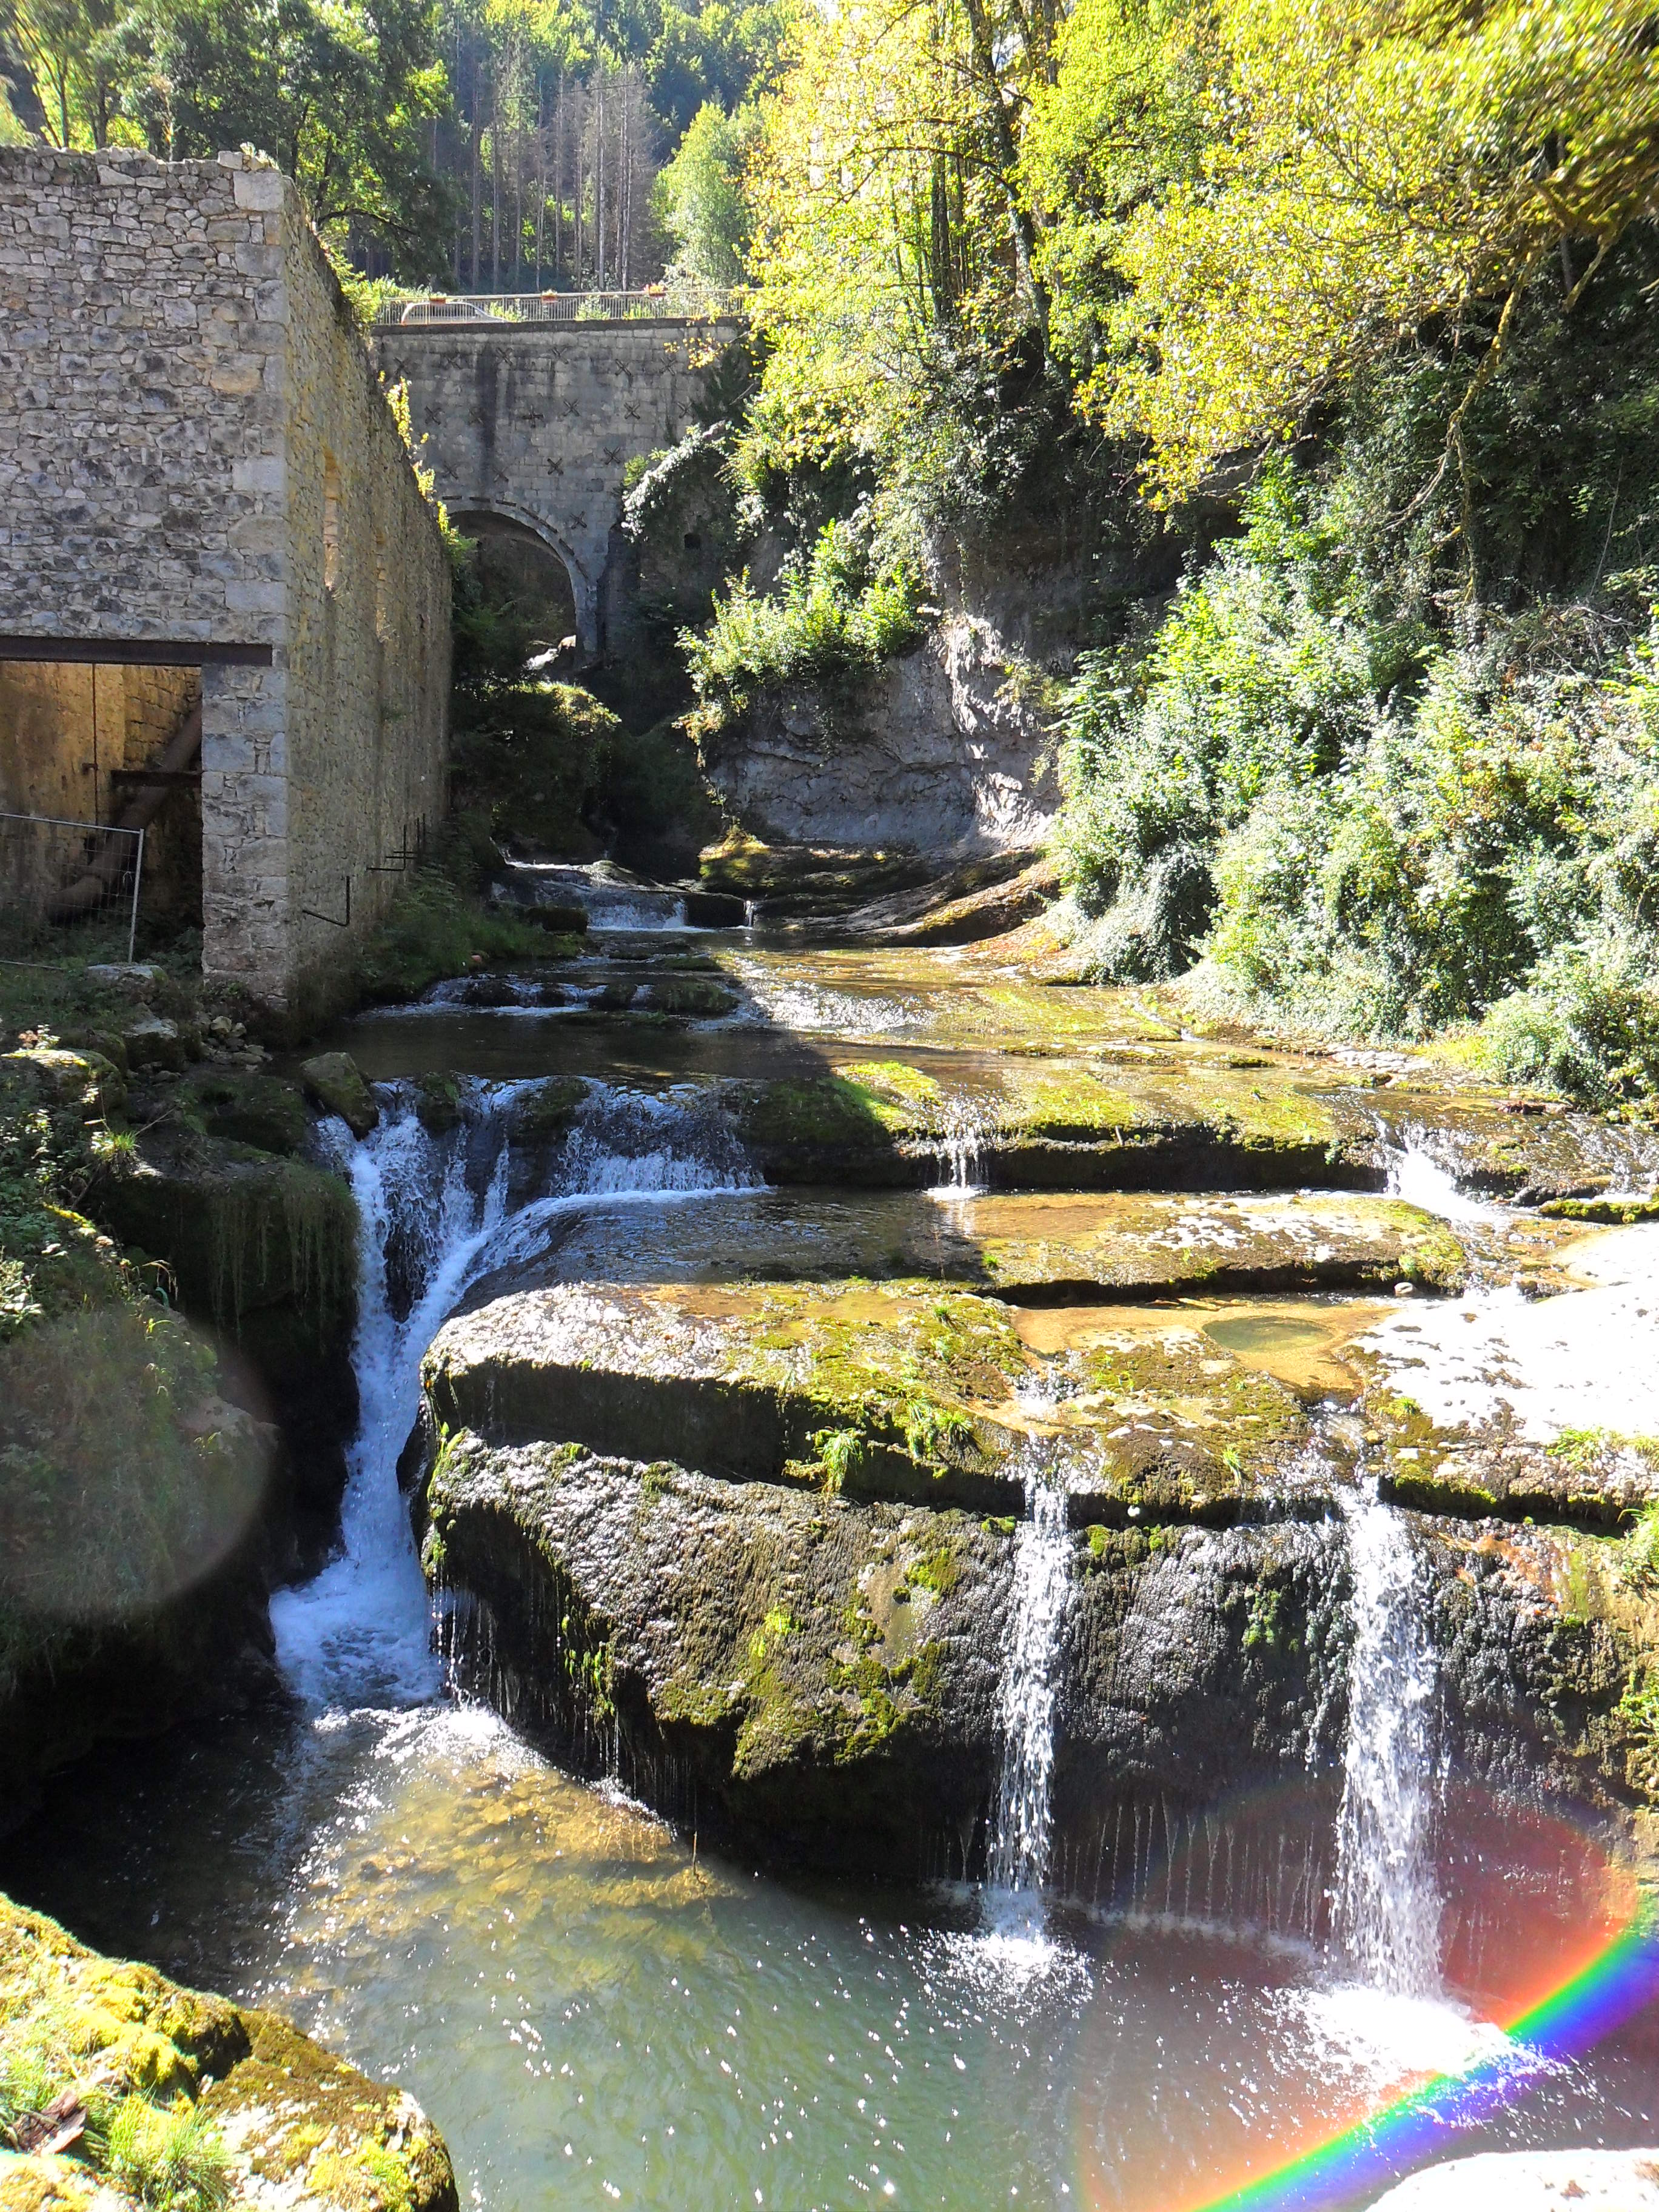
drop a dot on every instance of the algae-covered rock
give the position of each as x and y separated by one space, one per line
820 1676
1548 1407
336 1082
887 1391
900 1390
437 1101
284 2122
1046 1125
83 1082
696 997
250 1109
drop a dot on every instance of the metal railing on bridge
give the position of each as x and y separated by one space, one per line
656 302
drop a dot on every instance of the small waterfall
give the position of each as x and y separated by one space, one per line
436 1217
967 1127
1416 1175
1387 1918
1021 1832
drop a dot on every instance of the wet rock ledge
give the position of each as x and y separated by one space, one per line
108 2064
756 1547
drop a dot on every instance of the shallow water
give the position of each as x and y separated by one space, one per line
597 2011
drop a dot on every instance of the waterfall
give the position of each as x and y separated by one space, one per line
960 1142
435 1217
1022 1832
1387 1916
1416 1175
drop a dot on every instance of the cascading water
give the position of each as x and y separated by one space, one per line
436 1217
960 1144
1387 1918
1022 1831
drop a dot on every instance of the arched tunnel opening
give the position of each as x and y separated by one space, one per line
526 587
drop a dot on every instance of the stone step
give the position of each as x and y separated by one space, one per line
1031 1248
912 1391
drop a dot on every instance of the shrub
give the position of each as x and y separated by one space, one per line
834 622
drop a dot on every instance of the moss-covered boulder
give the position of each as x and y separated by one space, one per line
890 1390
336 1082
231 2094
264 1250
904 1391
818 1675
1046 1125
248 1107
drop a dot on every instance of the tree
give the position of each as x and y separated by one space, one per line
1360 174
701 195
343 100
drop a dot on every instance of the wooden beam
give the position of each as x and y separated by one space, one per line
134 652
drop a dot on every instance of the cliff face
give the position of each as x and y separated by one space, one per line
945 751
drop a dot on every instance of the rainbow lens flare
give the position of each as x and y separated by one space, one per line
1616 1985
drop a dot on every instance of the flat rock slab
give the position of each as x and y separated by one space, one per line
1027 1247
1532 2181
1497 1405
900 1390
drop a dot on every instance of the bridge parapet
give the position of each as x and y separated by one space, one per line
657 303
531 422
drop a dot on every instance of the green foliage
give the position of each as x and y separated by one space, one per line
834 622
1364 796
700 196
171 2158
435 928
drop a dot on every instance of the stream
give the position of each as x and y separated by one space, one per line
599 2008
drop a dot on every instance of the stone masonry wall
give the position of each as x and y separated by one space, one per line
536 425
190 434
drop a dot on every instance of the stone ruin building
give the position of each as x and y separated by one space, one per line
224 602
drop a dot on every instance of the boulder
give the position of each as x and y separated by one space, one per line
297 2126
901 1391
153 1043
336 1083
1532 2181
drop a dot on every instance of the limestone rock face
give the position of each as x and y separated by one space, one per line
941 755
296 2126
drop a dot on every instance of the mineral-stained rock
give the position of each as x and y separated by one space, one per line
298 2126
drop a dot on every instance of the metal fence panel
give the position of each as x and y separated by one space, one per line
59 878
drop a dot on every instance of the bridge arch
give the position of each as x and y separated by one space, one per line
536 422
479 518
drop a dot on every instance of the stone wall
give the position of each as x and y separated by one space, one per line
534 426
194 452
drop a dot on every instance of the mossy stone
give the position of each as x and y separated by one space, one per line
336 1082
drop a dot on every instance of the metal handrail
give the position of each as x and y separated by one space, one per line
658 301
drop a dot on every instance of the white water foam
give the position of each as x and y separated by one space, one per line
1387 1908
359 1633
1416 1175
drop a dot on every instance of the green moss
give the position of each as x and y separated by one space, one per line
548 1110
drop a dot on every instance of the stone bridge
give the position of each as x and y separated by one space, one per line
530 427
